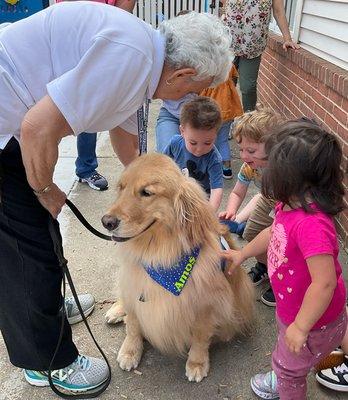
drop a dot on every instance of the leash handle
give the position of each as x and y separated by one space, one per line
58 248
84 222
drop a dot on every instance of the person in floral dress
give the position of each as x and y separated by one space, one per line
249 21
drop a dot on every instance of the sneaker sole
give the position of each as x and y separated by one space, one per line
36 382
227 177
268 303
78 318
262 394
41 383
333 386
81 180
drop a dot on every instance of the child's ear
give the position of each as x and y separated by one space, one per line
182 130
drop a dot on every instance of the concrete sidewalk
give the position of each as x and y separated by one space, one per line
94 266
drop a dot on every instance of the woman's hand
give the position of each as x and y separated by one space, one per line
53 200
235 256
295 338
290 44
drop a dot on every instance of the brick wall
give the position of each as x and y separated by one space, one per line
298 83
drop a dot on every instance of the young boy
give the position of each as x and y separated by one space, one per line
251 131
194 149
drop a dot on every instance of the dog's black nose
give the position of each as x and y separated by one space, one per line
109 222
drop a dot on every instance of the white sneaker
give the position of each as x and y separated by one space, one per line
85 373
73 315
335 378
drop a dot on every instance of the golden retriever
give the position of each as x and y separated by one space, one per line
158 216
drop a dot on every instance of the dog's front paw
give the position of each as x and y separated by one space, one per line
196 371
115 314
129 355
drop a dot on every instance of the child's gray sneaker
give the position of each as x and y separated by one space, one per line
85 373
265 385
87 302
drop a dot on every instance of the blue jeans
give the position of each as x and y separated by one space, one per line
222 142
86 162
166 127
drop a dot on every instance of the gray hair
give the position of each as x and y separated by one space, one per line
200 41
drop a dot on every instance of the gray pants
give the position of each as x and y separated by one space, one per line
248 70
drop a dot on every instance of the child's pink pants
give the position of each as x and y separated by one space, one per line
291 369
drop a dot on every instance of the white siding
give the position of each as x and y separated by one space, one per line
324 30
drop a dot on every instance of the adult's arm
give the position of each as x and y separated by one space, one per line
42 129
280 17
125 145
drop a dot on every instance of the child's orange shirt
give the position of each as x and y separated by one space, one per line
227 97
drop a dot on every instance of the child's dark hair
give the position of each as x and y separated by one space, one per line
201 113
304 165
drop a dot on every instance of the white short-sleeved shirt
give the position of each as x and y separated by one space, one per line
96 62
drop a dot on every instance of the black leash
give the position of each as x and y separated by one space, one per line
58 248
84 222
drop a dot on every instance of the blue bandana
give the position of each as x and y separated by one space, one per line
175 278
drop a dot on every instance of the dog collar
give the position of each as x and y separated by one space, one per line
174 279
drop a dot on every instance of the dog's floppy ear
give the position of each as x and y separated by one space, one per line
195 214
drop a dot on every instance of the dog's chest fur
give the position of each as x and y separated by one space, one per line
167 320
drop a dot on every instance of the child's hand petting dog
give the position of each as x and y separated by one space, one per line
235 256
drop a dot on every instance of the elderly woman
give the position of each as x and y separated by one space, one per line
75 67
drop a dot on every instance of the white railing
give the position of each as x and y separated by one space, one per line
155 11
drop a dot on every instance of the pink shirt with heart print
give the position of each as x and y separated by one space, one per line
295 236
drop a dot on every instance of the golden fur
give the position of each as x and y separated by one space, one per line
211 305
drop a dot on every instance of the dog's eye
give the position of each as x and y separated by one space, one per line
145 193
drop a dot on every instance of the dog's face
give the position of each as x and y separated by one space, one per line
154 198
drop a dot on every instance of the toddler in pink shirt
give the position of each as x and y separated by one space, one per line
303 175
